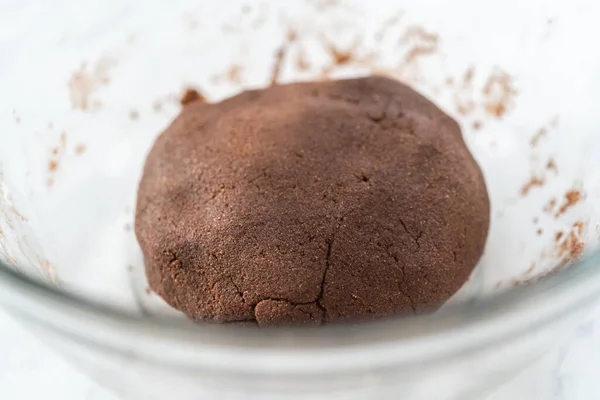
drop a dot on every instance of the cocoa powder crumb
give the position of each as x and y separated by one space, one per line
531 268
538 135
533 182
477 125
551 166
80 149
10 259
417 52
279 58
540 232
291 37
497 109
191 95
579 226
550 205
469 73
421 34
572 197
422 43
499 93
17 213
46 265
571 248
234 74
301 62
465 108
52 165
388 24
133 115
54 161
86 81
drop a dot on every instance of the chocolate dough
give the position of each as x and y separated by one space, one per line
311 202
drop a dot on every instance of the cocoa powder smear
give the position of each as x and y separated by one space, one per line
311 203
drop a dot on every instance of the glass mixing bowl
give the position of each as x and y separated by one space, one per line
87 87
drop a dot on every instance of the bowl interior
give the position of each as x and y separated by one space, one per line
84 103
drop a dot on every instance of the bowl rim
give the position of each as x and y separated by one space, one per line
432 338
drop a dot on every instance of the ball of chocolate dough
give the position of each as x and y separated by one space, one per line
309 203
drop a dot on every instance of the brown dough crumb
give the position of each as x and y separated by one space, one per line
340 57
190 96
311 203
